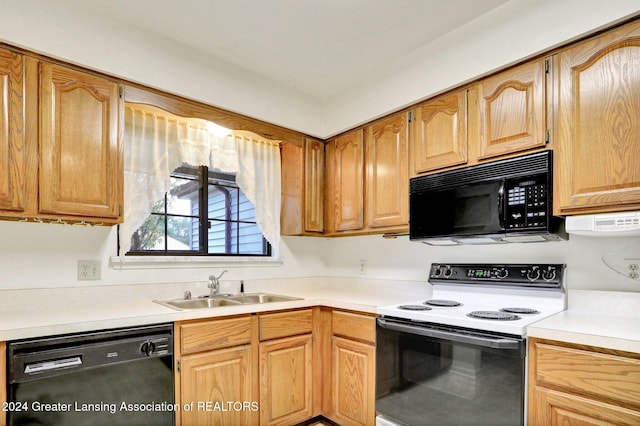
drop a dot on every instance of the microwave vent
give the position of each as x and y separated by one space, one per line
512 167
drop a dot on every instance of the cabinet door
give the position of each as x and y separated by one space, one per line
218 377
552 408
596 164
439 135
285 380
80 167
345 182
512 110
353 382
387 174
314 185
13 149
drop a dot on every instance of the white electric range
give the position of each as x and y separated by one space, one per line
494 298
459 357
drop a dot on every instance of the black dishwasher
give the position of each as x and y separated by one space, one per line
111 377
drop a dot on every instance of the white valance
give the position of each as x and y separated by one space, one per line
157 142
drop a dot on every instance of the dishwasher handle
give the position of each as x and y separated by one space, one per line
478 339
57 364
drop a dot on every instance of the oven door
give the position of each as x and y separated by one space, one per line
427 374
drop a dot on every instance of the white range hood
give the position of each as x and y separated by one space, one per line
623 224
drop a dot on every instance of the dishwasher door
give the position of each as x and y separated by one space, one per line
114 377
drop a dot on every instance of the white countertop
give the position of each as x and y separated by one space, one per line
604 319
43 312
597 318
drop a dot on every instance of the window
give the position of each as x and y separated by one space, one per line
203 213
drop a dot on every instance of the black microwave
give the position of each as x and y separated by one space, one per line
498 202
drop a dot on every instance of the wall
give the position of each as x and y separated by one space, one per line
45 256
36 255
401 259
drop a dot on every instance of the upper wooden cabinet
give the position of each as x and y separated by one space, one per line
597 152
14 166
303 167
387 173
60 145
512 110
345 182
80 151
439 133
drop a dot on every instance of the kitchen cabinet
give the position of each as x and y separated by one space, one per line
387 173
303 183
581 385
597 151
80 152
367 179
16 154
345 182
59 142
439 133
511 108
352 369
286 367
216 362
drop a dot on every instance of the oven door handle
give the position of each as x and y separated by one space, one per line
497 342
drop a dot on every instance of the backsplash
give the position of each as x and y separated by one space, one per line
45 256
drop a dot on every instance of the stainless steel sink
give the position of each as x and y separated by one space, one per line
219 301
254 298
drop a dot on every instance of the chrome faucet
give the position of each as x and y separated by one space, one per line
214 284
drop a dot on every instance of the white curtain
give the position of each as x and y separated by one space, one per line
157 142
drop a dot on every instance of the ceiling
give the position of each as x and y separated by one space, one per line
317 47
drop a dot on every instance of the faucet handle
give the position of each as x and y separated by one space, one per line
212 277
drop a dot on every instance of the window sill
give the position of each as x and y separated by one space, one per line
177 262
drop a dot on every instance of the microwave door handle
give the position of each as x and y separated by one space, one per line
501 206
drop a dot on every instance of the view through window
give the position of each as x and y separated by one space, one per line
203 213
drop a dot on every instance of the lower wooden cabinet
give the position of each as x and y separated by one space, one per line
3 380
574 385
353 387
285 380
353 369
276 368
216 374
216 382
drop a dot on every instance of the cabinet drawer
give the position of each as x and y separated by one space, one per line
282 324
359 327
607 376
208 335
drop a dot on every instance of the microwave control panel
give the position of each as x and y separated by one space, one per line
526 203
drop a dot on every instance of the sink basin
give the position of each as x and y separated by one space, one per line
218 301
253 298
198 303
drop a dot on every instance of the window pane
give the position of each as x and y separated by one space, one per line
183 196
223 202
179 236
150 236
250 239
219 237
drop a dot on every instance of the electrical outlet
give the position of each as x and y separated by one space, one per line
89 270
632 268
363 267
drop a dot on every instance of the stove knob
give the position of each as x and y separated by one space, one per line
533 274
448 272
549 274
502 273
436 272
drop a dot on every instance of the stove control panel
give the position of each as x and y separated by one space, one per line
519 275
